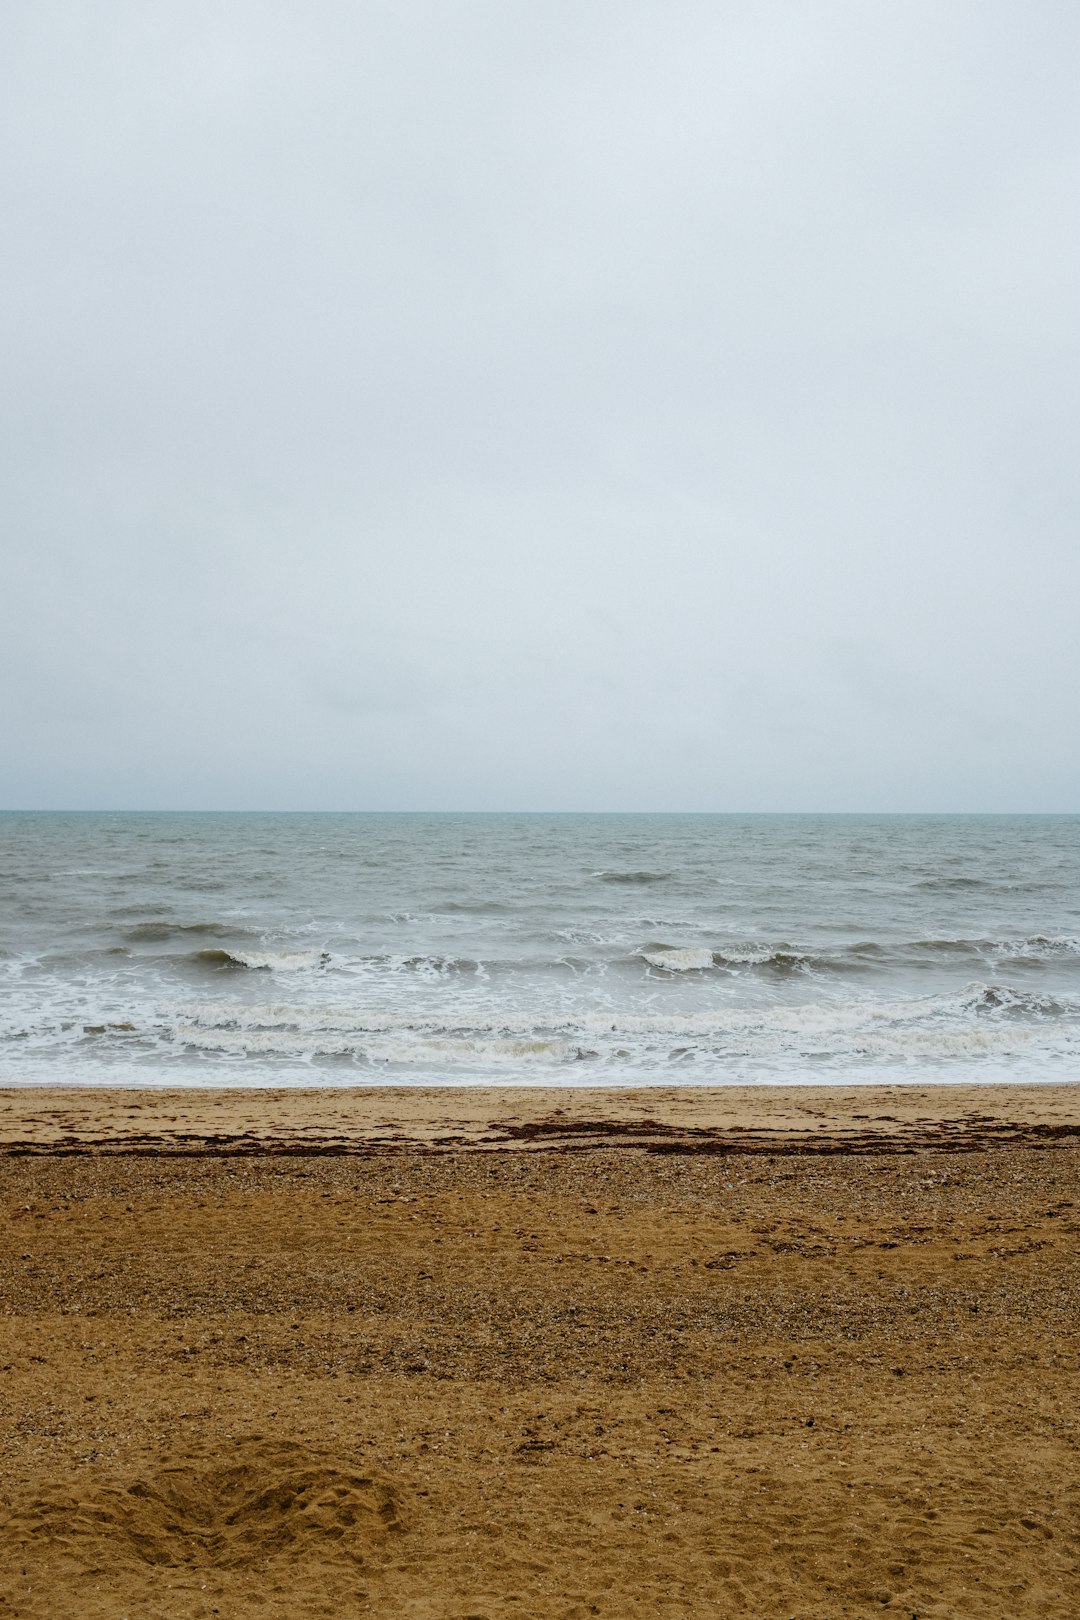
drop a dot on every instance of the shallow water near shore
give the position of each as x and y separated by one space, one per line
223 949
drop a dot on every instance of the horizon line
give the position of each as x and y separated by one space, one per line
177 810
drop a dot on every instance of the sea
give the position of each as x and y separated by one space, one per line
506 949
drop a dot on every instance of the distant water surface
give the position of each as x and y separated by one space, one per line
576 949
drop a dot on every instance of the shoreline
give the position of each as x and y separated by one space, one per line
701 1119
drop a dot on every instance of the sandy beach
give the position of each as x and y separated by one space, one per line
464 1353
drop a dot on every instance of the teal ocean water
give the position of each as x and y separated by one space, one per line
557 949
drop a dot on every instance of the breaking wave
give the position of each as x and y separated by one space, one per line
780 959
426 966
262 961
676 959
1031 947
862 957
1003 999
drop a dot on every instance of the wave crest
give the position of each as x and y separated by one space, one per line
1003 1000
152 933
632 877
262 961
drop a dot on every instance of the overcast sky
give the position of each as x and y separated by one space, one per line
538 405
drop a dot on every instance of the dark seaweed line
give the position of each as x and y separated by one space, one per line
946 1136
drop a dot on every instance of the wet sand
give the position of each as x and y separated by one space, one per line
800 1352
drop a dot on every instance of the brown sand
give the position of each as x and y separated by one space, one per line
805 1352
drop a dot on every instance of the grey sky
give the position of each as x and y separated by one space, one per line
540 405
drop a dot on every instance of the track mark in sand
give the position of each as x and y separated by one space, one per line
241 1507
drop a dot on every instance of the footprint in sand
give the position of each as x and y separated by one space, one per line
228 1510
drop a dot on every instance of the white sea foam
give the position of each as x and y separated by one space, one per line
281 961
679 959
1038 946
746 955
976 1025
